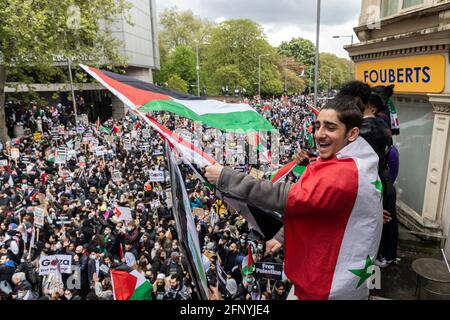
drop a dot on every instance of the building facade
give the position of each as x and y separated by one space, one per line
407 43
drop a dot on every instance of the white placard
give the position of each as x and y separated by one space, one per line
3 163
15 153
156 176
39 217
48 264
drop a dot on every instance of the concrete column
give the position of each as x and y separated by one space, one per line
438 167
143 74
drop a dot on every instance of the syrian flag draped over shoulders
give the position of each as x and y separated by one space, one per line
147 97
128 284
332 222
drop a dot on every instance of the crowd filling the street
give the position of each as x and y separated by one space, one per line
96 197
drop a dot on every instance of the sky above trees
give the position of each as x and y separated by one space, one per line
283 20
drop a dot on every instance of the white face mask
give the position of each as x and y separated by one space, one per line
68 296
93 256
21 294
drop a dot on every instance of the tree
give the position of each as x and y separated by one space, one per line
291 74
181 62
32 33
332 65
303 50
236 45
182 28
176 83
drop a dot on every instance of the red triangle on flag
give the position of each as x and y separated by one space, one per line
117 212
124 284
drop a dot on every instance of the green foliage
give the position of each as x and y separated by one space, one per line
182 28
176 83
303 50
181 62
337 67
34 32
235 45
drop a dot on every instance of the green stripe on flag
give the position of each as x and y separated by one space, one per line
245 120
298 170
143 292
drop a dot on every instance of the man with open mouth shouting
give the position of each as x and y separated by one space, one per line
332 216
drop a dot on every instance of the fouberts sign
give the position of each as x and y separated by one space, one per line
424 74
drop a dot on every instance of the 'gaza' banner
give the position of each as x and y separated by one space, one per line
49 264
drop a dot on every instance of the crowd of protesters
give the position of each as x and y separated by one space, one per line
109 165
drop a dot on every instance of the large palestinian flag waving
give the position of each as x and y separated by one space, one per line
144 97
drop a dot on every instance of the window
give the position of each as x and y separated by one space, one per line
389 7
411 3
392 7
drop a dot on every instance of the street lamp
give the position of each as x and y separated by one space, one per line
197 67
259 72
69 62
316 72
349 63
329 84
198 72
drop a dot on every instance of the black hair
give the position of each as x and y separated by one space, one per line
348 111
377 102
385 92
357 89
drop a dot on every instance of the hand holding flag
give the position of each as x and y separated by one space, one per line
212 173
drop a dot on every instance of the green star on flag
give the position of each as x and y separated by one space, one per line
378 185
363 274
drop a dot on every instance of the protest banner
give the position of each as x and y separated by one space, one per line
157 153
257 173
116 176
156 176
61 156
49 264
37 136
39 217
99 151
15 153
198 212
145 133
266 270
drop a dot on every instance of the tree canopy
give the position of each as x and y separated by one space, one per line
33 33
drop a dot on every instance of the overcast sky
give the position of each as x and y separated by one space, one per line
283 19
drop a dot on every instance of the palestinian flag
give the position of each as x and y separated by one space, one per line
313 110
339 202
105 130
147 97
189 152
128 284
249 266
284 171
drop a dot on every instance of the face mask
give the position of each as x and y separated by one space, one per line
129 228
157 247
68 296
21 294
242 242
93 256
260 247
24 187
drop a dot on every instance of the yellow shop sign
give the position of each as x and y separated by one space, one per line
424 74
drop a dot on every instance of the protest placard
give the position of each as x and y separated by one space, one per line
37 136
49 264
198 212
156 176
15 153
266 270
39 217
116 176
257 173
3 163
